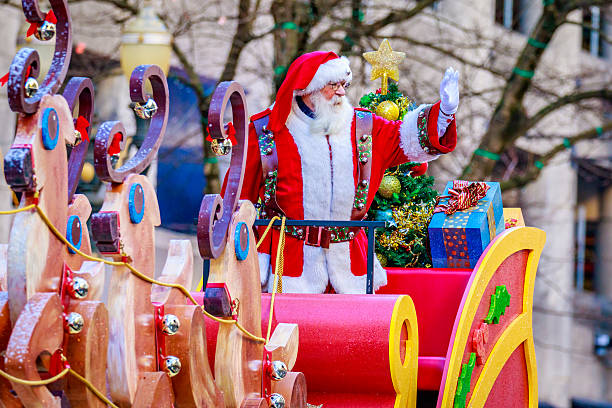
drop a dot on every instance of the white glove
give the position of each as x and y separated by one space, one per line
449 91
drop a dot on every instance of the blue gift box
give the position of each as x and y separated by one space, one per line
457 240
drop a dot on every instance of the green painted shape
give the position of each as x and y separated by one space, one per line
500 300
464 381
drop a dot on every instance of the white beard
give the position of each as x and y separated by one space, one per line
331 116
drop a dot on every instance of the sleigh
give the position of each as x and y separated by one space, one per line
430 337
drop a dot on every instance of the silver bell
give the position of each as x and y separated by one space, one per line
75 323
45 31
172 365
170 324
221 148
278 370
146 111
31 87
277 401
80 288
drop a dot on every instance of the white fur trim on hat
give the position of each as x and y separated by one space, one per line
335 70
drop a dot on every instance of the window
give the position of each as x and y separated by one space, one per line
593 23
508 13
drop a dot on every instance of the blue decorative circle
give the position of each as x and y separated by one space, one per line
50 128
242 230
70 236
136 197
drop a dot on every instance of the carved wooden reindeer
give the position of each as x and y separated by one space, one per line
124 231
243 366
46 300
181 332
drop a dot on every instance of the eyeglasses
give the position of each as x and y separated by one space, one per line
336 85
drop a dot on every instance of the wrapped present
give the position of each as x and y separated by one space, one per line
513 217
466 218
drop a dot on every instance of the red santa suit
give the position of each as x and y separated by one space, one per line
318 175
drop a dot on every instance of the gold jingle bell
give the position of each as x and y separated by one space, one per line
221 148
146 111
45 31
75 323
277 401
388 110
172 365
31 87
278 370
80 288
77 137
170 324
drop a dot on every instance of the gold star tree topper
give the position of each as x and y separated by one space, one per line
385 63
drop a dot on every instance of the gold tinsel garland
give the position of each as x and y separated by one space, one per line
408 219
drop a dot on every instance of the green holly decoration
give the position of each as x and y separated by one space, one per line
464 381
500 300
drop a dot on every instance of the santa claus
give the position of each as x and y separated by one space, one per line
312 156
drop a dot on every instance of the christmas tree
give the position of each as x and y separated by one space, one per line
405 198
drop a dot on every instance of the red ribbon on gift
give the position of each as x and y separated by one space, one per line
50 17
463 195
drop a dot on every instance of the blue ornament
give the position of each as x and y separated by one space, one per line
385 215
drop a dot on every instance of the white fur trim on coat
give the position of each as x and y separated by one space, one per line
335 70
409 138
329 192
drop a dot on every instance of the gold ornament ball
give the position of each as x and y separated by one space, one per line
389 185
382 259
88 172
388 110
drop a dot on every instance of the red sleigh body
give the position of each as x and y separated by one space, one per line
349 351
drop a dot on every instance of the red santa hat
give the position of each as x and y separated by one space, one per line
307 74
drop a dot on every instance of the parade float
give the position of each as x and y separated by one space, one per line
462 330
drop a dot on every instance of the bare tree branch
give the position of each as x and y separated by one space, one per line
601 33
564 101
396 16
534 172
509 116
